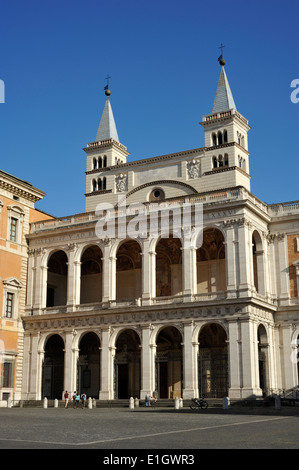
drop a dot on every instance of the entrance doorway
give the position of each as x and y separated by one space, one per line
169 375
53 368
127 367
212 362
89 365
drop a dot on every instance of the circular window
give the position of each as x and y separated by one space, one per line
157 195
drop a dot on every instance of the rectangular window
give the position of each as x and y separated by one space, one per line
13 229
6 374
9 305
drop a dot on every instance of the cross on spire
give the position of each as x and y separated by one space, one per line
221 47
220 58
107 86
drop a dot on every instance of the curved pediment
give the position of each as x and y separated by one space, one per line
166 186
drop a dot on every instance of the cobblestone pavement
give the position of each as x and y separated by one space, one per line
145 428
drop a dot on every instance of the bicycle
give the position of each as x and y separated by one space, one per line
198 403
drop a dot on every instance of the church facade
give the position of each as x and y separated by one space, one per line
175 279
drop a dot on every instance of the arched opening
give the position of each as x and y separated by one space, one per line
214 139
169 363
57 279
215 162
104 182
213 362
220 140
91 275
99 184
211 275
100 162
53 368
105 161
168 267
89 365
258 262
94 185
94 163
263 358
128 271
127 365
225 136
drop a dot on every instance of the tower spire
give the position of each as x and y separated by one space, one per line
224 100
107 128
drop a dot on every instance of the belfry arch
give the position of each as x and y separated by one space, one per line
213 373
169 363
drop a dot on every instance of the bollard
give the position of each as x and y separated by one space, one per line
226 403
94 403
136 403
131 403
45 402
176 403
9 403
181 403
277 403
55 403
89 403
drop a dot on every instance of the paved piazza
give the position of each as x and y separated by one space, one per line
172 431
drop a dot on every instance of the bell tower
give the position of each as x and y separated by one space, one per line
102 154
225 132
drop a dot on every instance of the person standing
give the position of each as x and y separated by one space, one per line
83 399
147 399
66 399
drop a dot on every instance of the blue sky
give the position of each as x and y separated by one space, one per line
162 59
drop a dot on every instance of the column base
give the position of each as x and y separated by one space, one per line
189 393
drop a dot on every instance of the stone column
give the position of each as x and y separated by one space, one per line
189 269
70 363
250 366
244 262
230 260
283 269
288 357
107 364
148 273
235 359
73 278
147 362
190 363
30 278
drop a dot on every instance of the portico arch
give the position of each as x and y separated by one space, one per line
53 368
263 358
57 279
213 361
88 376
128 270
127 365
211 270
169 362
91 275
168 267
